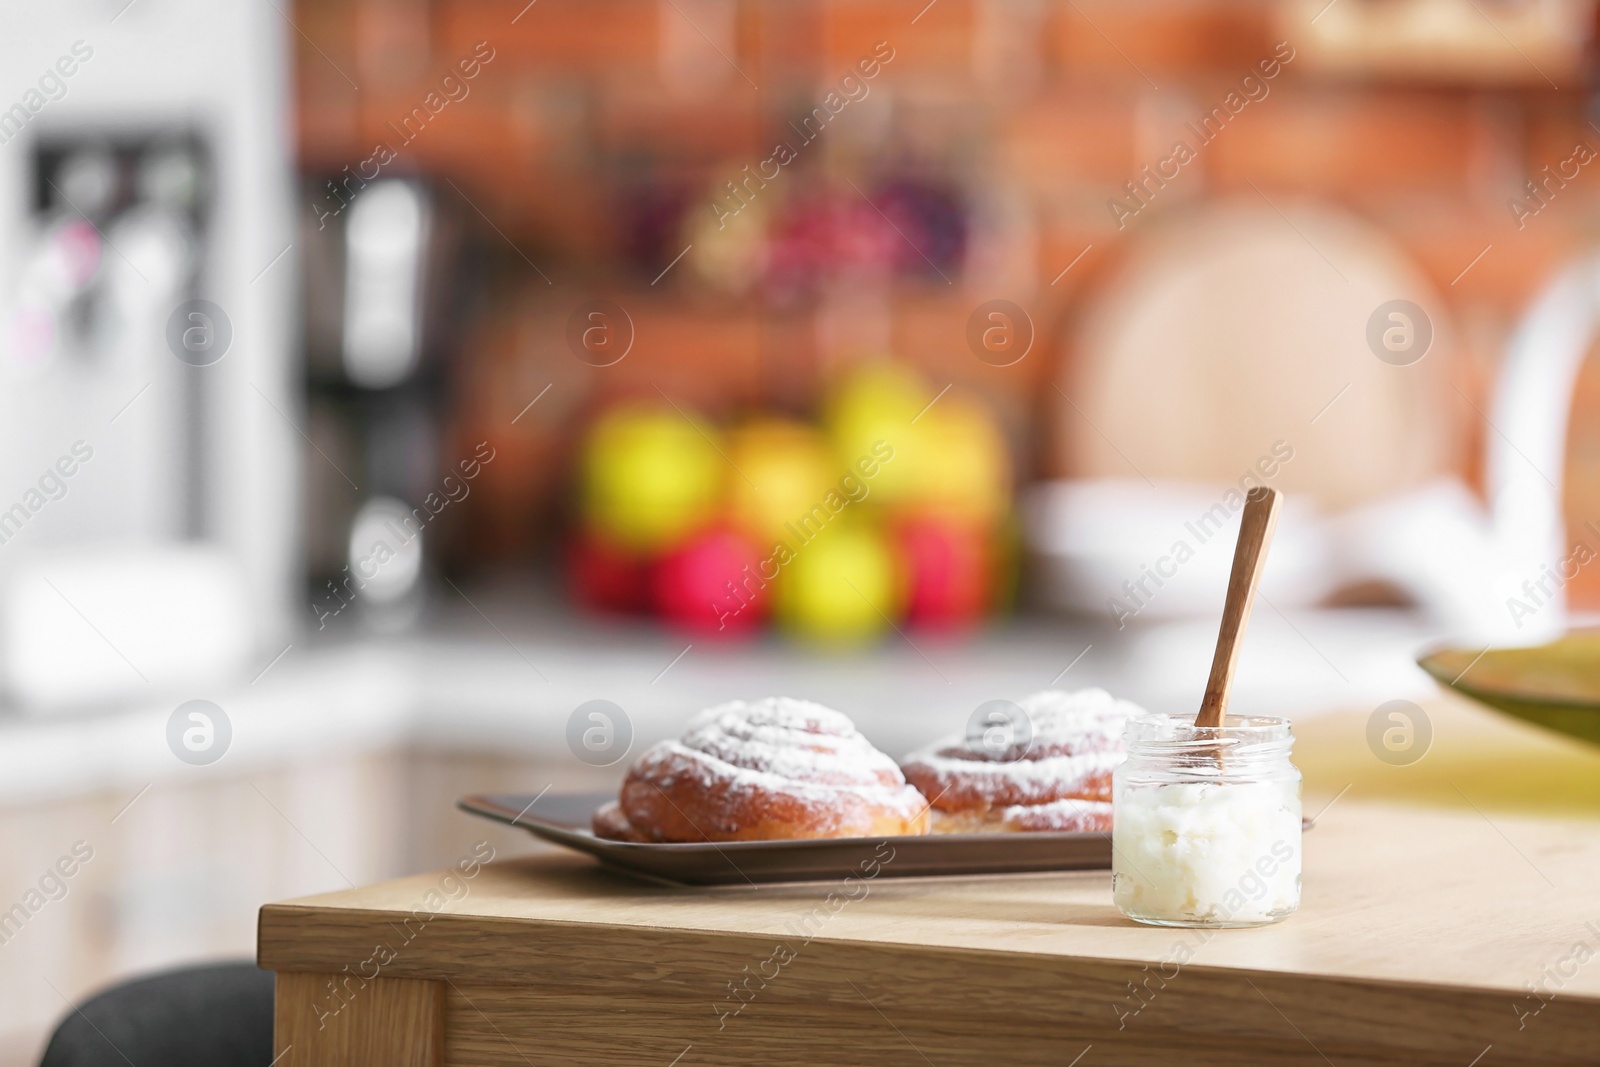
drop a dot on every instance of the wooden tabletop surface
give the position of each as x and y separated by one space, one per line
1397 894
1422 934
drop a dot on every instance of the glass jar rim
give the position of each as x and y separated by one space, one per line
1158 728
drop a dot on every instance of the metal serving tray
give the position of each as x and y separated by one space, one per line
563 819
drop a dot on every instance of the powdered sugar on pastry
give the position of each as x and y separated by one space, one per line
1076 742
793 739
1088 720
1062 816
774 769
954 783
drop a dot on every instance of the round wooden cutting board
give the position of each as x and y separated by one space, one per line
1228 331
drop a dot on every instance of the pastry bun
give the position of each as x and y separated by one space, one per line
775 769
1055 776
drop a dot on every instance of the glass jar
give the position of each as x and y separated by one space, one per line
1206 823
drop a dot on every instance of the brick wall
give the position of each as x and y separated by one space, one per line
1058 104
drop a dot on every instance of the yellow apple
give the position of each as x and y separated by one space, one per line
784 469
877 402
650 476
961 445
840 587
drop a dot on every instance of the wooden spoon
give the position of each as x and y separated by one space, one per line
1249 557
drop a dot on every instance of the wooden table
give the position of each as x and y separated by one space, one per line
1419 938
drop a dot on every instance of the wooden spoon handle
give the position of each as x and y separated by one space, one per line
1249 557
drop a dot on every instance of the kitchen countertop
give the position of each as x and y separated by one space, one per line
491 675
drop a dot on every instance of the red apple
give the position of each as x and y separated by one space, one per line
605 576
950 568
714 584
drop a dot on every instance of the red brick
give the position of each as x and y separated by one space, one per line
1446 239
1066 138
476 125
1086 252
393 41
1551 133
704 358
327 103
788 37
1551 160
1362 144
930 334
940 41
1161 40
638 117
576 37
327 132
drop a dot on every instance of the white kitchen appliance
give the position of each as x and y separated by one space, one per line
147 385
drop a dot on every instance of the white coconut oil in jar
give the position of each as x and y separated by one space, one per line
1206 823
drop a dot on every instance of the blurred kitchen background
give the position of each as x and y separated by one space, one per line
398 375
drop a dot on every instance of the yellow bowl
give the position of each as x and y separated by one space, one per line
1556 686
